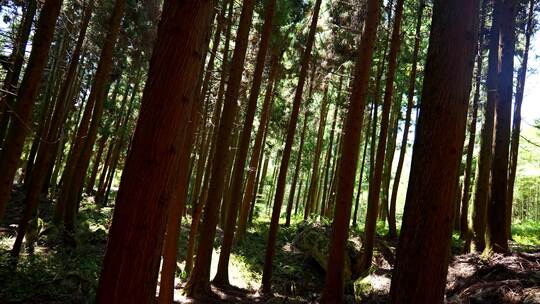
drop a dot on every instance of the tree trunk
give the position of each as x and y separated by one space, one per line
498 205
469 170
284 165
26 97
47 149
375 184
516 124
424 242
296 172
97 160
199 281
486 141
312 193
13 74
362 169
350 146
392 233
222 275
129 275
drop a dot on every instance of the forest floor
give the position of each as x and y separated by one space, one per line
56 274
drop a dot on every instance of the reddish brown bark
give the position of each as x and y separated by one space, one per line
26 97
516 124
199 280
422 254
284 164
129 275
222 275
375 184
486 141
498 205
469 170
350 145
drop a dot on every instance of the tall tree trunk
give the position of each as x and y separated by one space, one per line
26 97
424 242
312 193
516 124
284 164
199 281
392 233
485 159
222 275
350 146
47 149
77 164
174 216
101 143
498 205
16 59
469 170
130 275
362 169
296 172
375 184
389 158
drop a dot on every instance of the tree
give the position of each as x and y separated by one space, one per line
485 158
26 96
516 123
410 104
222 275
131 262
199 280
284 164
424 241
497 205
350 146
375 184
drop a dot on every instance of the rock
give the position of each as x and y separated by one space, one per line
313 239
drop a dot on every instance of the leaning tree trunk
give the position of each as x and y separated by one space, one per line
497 205
350 146
284 164
26 97
311 202
469 170
47 149
481 195
199 281
375 183
516 124
222 275
70 192
17 59
130 266
296 172
422 254
392 233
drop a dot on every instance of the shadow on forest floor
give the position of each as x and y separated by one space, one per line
54 273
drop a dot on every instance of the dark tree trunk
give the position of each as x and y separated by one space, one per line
350 146
375 184
497 205
469 170
392 233
296 172
486 141
13 74
516 124
284 164
129 275
199 281
424 244
26 97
